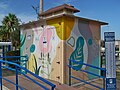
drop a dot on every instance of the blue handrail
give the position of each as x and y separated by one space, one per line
0 75
87 83
70 76
25 76
17 71
88 72
88 65
22 60
13 56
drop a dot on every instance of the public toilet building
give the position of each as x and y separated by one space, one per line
58 36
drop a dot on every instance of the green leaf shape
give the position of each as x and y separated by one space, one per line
36 68
22 41
77 54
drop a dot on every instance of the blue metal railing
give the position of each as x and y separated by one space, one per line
17 70
70 74
16 58
22 60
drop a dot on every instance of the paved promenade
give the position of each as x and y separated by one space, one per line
29 85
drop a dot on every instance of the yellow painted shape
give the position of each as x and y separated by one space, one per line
63 26
31 63
68 26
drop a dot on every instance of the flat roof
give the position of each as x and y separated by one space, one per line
61 7
81 18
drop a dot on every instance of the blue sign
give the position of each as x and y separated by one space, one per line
110 83
109 36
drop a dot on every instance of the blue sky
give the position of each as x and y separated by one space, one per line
103 10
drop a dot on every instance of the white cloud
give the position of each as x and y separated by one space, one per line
26 18
3 5
3 8
1 18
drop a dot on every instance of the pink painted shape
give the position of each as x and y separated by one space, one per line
47 34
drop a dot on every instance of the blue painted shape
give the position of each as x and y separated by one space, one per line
95 62
77 54
32 48
22 39
90 42
22 43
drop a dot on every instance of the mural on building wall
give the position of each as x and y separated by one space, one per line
45 46
77 54
40 47
87 44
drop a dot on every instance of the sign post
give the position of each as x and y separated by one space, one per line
109 38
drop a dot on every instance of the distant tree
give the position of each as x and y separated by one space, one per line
15 38
3 34
10 29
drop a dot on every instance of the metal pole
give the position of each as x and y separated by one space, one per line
1 75
41 6
16 77
9 47
104 79
3 52
69 73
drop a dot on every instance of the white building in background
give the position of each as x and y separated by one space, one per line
6 45
117 49
117 53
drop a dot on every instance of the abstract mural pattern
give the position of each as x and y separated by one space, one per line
45 46
77 54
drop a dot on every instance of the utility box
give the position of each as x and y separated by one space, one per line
50 42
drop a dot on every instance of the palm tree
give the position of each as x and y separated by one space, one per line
3 34
10 26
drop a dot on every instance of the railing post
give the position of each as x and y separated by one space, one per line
16 77
1 75
3 52
69 73
52 88
104 80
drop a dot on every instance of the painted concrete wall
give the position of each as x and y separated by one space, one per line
63 38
